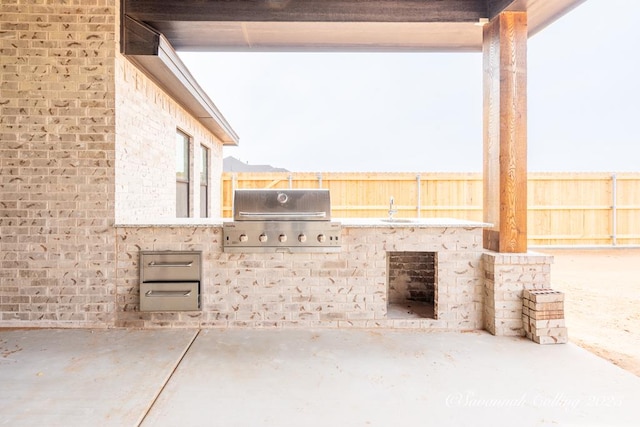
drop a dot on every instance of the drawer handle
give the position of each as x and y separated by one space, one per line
170 264
167 293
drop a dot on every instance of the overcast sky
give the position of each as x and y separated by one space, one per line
396 112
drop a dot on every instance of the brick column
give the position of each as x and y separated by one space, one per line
506 276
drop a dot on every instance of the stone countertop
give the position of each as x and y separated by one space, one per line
410 222
346 222
174 222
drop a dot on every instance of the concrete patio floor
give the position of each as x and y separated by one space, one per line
319 377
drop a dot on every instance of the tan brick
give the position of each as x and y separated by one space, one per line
545 324
547 314
550 339
553 331
546 306
546 296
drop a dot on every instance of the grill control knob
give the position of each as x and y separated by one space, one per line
322 238
263 238
282 238
302 238
243 238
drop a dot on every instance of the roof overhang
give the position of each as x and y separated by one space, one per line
339 25
152 28
153 53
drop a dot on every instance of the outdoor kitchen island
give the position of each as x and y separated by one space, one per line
349 288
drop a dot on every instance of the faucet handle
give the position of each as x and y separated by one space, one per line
391 209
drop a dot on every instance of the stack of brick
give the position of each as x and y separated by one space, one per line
543 316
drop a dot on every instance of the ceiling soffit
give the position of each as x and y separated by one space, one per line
337 25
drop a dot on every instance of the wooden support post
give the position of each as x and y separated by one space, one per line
505 132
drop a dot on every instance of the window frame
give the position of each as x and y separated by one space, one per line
205 176
183 174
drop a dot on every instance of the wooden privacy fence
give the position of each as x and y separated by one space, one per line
579 209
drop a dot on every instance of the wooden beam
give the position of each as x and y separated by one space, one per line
505 132
307 10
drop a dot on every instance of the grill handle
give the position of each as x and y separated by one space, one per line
170 264
283 214
168 293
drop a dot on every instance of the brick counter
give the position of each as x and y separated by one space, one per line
346 289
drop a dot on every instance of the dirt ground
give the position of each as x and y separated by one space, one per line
602 301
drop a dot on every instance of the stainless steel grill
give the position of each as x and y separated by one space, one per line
295 220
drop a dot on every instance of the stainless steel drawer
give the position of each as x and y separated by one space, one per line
170 266
169 296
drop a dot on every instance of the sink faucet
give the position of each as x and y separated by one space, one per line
392 211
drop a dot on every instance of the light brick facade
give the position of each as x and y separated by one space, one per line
506 277
81 146
346 289
87 145
147 121
58 150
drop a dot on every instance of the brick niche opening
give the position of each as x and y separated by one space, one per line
412 284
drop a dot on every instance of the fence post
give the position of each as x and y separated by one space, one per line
234 186
614 209
419 207
290 181
319 180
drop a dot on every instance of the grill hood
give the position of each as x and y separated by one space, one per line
281 205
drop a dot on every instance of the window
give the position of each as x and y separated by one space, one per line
204 182
182 175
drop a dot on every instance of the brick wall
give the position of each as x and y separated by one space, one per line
346 289
147 120
58 144
506 277
73 146
412 276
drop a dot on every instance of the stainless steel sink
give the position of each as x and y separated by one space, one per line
399 220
